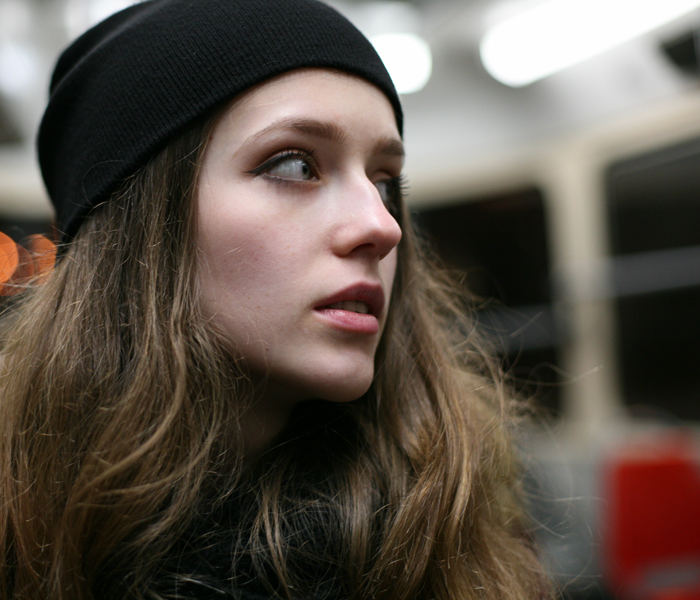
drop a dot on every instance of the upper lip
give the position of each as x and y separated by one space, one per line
370 293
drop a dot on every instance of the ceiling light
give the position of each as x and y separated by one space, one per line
408 59
556 34
18 68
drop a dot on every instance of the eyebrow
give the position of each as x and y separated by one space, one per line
328 131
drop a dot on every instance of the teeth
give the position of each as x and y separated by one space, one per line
352 306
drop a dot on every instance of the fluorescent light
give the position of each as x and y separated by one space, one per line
18 69
408 59
556 34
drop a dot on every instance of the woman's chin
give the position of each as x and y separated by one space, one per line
347 395
339 391
333 387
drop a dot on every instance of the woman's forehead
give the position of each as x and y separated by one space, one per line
318 102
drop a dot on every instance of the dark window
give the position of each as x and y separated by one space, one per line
654 204
499 244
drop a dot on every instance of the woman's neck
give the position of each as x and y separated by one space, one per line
265 418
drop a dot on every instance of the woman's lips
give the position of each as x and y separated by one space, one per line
355 309
352 305
350 321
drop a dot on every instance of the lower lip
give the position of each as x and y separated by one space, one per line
353 322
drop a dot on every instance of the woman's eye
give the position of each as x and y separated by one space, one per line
391 191
290 166
385 190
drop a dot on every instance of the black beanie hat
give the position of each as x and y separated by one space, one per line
131 84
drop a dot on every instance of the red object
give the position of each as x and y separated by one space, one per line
675 594
652 520
9 259
43 252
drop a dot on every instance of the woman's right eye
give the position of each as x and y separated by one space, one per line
293 165
292 168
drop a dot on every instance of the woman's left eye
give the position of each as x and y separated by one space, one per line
290 166
391 191
386 190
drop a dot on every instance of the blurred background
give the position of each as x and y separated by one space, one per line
554 163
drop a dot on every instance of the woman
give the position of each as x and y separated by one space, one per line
242 380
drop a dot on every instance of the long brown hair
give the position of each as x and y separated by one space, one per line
119 419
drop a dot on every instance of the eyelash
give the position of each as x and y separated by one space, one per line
270 164
398 186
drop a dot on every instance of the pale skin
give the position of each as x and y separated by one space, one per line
298 246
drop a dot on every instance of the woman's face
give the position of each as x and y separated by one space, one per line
297 241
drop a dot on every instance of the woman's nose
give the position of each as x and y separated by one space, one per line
366 226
